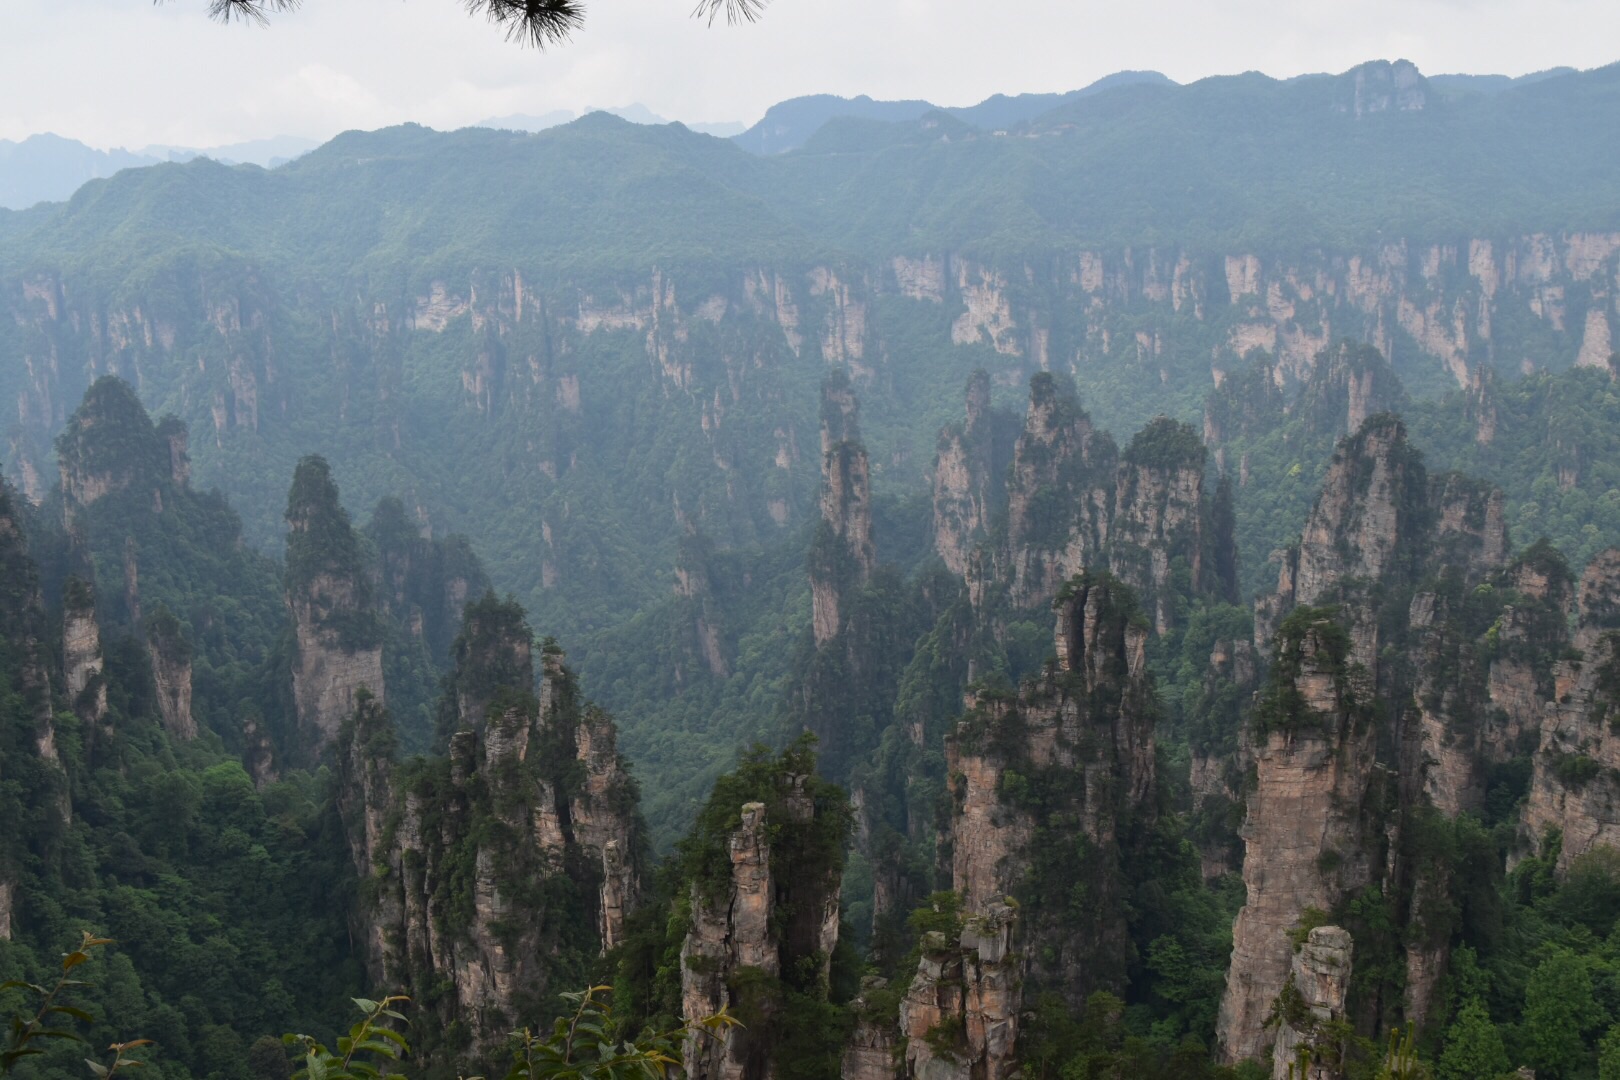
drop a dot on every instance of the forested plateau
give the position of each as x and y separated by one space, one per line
1134 593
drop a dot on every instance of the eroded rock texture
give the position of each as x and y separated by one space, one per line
503 868
1316 995
1576 787
764 920
338 639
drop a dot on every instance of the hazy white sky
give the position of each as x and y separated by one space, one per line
123 72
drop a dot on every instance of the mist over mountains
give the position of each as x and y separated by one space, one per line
1117 583
49 167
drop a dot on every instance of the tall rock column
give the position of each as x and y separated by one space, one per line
515 857
1305 840
842 556
1314 996
1575 787
764 910
170 656
1064 766
81 653
337 636
727 934
1159 516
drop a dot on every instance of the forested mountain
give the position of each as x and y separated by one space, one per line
1163 548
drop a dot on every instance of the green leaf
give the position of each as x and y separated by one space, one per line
97 1067
73 1011
19 984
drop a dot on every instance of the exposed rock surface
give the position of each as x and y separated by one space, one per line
960 1015
870 1053
1576 786
338 640
1306 841
725 937
532 813
1073 502
170 655
970 470
81 653
1068 761
843 556
1316 994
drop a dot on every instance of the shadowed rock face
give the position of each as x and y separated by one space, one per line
770 917
170 656
843 556
1314 772
1317 991
1072 501
338 640
533 800
81 654
1080 739
1575 787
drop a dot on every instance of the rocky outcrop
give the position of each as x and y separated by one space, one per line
22 626
1315 996
1058 494
1398 602
764 913
1074 502
960 1014
81 653
1067 762
423 583
481 862
725 936
842 556
170 656
337 638
870 1052
969 482
1575 788
1307 843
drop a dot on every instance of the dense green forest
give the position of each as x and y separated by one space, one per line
507 600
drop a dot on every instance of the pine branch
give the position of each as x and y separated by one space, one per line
532 22
736 11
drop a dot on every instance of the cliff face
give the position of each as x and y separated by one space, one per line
764 916
1425 665
969 481
724 937
480 863
1307 841
22 627
1316 994
81 654
1073 502
338 643
170 656
1065 765
960 1015
1575 787
421 582
842 557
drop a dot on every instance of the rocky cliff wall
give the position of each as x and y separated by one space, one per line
1575 788
511 863
1316 995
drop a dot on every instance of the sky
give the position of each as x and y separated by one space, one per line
128 73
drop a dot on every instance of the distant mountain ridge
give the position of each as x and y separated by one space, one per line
50 168
788 125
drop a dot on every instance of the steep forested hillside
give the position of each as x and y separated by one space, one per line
1173 536
597 347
